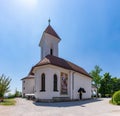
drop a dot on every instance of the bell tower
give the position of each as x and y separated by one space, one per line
49 42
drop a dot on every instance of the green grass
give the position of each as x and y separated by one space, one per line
112 102
8 102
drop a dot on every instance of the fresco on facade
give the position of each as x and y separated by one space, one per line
64 83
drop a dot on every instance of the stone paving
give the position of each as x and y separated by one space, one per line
100 107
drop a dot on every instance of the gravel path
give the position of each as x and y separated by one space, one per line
78 108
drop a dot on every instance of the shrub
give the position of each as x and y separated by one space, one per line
116 98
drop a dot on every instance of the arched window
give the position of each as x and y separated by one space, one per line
43 82
55 83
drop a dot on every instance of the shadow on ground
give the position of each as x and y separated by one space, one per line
67 104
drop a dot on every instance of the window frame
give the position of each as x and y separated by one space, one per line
55 83
42 82
51 51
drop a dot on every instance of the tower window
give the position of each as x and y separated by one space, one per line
51 51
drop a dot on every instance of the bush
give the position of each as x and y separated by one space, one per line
116 98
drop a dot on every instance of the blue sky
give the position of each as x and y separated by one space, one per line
89 29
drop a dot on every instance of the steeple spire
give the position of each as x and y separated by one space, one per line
49 21
49 42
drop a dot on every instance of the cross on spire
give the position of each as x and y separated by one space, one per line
49 21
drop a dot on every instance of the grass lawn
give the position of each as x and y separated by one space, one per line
8 102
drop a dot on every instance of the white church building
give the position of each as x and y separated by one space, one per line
55 78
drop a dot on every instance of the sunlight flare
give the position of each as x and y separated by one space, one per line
29 3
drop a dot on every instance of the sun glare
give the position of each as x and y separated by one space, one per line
29 3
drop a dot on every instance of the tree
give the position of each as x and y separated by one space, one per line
17 93
115 84
4 85
106 87
95 74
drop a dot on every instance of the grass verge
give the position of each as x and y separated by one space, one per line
112 102
8 102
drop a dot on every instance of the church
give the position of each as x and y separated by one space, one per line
54 78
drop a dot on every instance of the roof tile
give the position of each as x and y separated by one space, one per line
53 60
51 31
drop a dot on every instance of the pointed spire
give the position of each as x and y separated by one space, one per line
51 31
49 21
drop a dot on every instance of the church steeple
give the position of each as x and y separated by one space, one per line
49 42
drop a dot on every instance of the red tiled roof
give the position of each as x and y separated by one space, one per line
51 31
56 61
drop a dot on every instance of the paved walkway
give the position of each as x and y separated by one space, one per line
78 108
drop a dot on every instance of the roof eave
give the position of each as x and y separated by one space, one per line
61 67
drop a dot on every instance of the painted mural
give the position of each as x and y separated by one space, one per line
64 83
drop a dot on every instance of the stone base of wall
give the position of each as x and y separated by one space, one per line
61 99
58 99
44 100
54 99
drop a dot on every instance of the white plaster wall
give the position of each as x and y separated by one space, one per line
48 42
29 85
49 72
84 82
79 80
